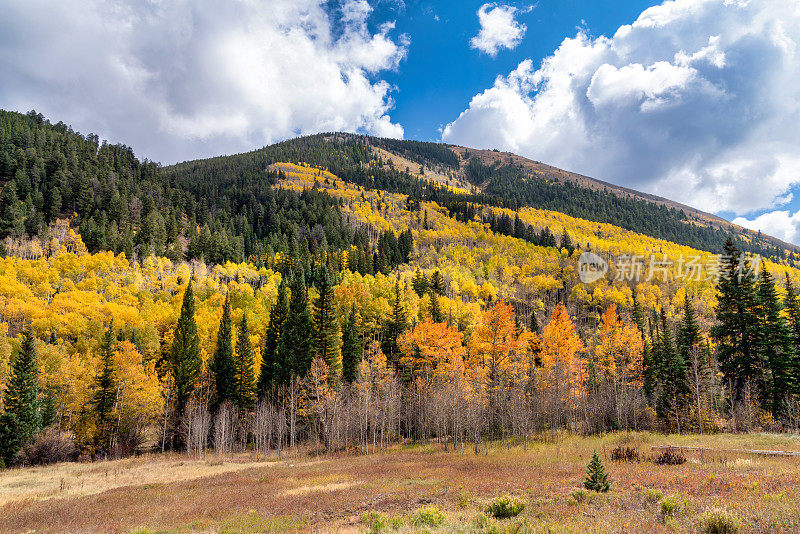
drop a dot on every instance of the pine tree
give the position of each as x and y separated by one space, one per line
10 213
534 324
596 476
351 348
419 283
22 418
244 368
774 344
105 396
672 375
437 283
185 359
395 325
270 372
326 328
737 321
294 354
793 311
435 309
222 365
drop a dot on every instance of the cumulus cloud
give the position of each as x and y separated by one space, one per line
779 223
697 100
499 29
185 79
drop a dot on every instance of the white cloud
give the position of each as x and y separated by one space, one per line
697 100
499 29
780 223
185 79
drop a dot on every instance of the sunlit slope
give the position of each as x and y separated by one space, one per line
484 264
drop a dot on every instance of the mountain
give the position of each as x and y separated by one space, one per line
123 204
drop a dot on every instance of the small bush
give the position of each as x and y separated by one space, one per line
596 476
49 447
654 495
719 521
624 454
580 495
670 457
505 506
375 521
430 516
670 506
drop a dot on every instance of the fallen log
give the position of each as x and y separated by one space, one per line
735 451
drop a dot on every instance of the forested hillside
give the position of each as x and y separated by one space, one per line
312 292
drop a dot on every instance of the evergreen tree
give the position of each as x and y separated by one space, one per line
419 283
436 311
395 325
774 344
326 327
22 418
269 357
244 369
596 476
105 396
793 311
351 348
184 357
10 214
437 283
534 324
294 352
672 375
222 364
737 323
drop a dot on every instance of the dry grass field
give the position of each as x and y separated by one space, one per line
417 489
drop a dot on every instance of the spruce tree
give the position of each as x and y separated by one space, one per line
395 325
184 357
269 360
351 348
244 368
222 364
596 476
22 418
437 283
793 311
737 322
326 328
534 324
105 396
419 283
672 375
774 344
295 346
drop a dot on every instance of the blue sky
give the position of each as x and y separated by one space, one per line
693 100
441 72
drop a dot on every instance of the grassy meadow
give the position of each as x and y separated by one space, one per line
419 489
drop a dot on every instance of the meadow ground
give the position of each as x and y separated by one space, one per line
417 489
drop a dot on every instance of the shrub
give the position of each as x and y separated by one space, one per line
505 506
430 516
717 521
596 476
670 457
49 447
375 521
654 495
580 495
624 454
670 506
